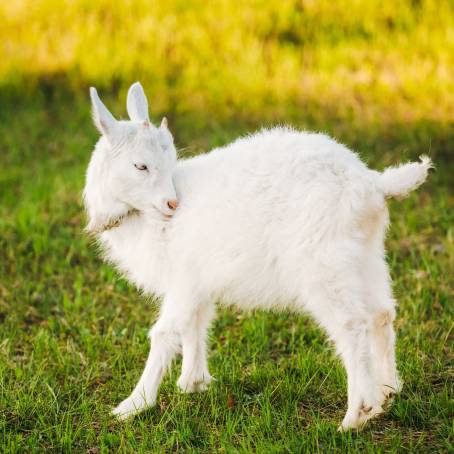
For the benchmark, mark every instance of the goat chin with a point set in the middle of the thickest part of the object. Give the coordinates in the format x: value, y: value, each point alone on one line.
x: 280, y: 219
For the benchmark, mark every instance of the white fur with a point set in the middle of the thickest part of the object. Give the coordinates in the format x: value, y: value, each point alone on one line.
x: 281, y: 219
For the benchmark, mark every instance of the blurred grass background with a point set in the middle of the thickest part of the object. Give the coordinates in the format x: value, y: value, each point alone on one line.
x: 381, y: 61
x: 377, y: 75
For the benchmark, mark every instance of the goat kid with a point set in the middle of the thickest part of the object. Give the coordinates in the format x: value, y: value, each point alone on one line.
x: 280, y: 219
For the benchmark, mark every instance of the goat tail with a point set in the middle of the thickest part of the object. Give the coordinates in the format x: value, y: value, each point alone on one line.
x: 399, y: 181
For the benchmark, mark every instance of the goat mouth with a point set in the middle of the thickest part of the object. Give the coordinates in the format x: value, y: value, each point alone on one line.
x: 166, y: 216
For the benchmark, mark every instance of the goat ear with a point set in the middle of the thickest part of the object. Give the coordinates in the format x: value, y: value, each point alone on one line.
x: 137, y: 104
x: 165, y: 135
x: 102, y: 118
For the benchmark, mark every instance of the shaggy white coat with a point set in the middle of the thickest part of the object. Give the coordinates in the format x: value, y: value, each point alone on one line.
x: 281, y: 219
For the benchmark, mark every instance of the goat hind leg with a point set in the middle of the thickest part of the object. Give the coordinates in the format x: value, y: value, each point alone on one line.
x: 382, y: 336
x: 195, y: 376
x: 383, y: 348
x: 364, y: 399
x: 340, y: 308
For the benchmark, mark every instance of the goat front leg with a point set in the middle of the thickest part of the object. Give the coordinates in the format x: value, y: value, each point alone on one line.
x: 165, y: 343
x: 195, y: 376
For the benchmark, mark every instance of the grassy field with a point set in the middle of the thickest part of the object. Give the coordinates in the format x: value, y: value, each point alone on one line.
x: 73, y: 334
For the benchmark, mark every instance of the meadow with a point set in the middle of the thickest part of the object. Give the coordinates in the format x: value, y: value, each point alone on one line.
x: 378, y: 76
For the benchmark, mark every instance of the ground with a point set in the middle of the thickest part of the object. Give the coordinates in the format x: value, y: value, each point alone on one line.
x: 73, y: 334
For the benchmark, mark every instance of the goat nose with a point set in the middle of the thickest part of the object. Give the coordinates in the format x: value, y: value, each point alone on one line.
x: 172, y: 204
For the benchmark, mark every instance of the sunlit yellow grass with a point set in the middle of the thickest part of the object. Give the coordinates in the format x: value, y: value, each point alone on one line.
x: 380, y: 59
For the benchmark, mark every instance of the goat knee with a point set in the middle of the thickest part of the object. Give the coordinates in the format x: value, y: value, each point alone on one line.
x: 383, y: 318
x: 164, y: 337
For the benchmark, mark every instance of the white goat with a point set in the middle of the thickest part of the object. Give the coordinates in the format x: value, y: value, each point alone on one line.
x: 278, y: 219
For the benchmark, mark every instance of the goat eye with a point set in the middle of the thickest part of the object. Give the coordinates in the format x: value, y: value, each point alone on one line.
x: 140, y: 166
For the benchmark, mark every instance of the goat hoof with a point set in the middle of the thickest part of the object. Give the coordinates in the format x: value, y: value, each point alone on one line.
x: 357, y: 421
x: 194, y: 385
x: 129, y: 407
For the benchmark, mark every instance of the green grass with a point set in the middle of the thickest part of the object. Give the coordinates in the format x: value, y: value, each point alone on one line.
x: 73, y: 335
x: 376, y: 75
